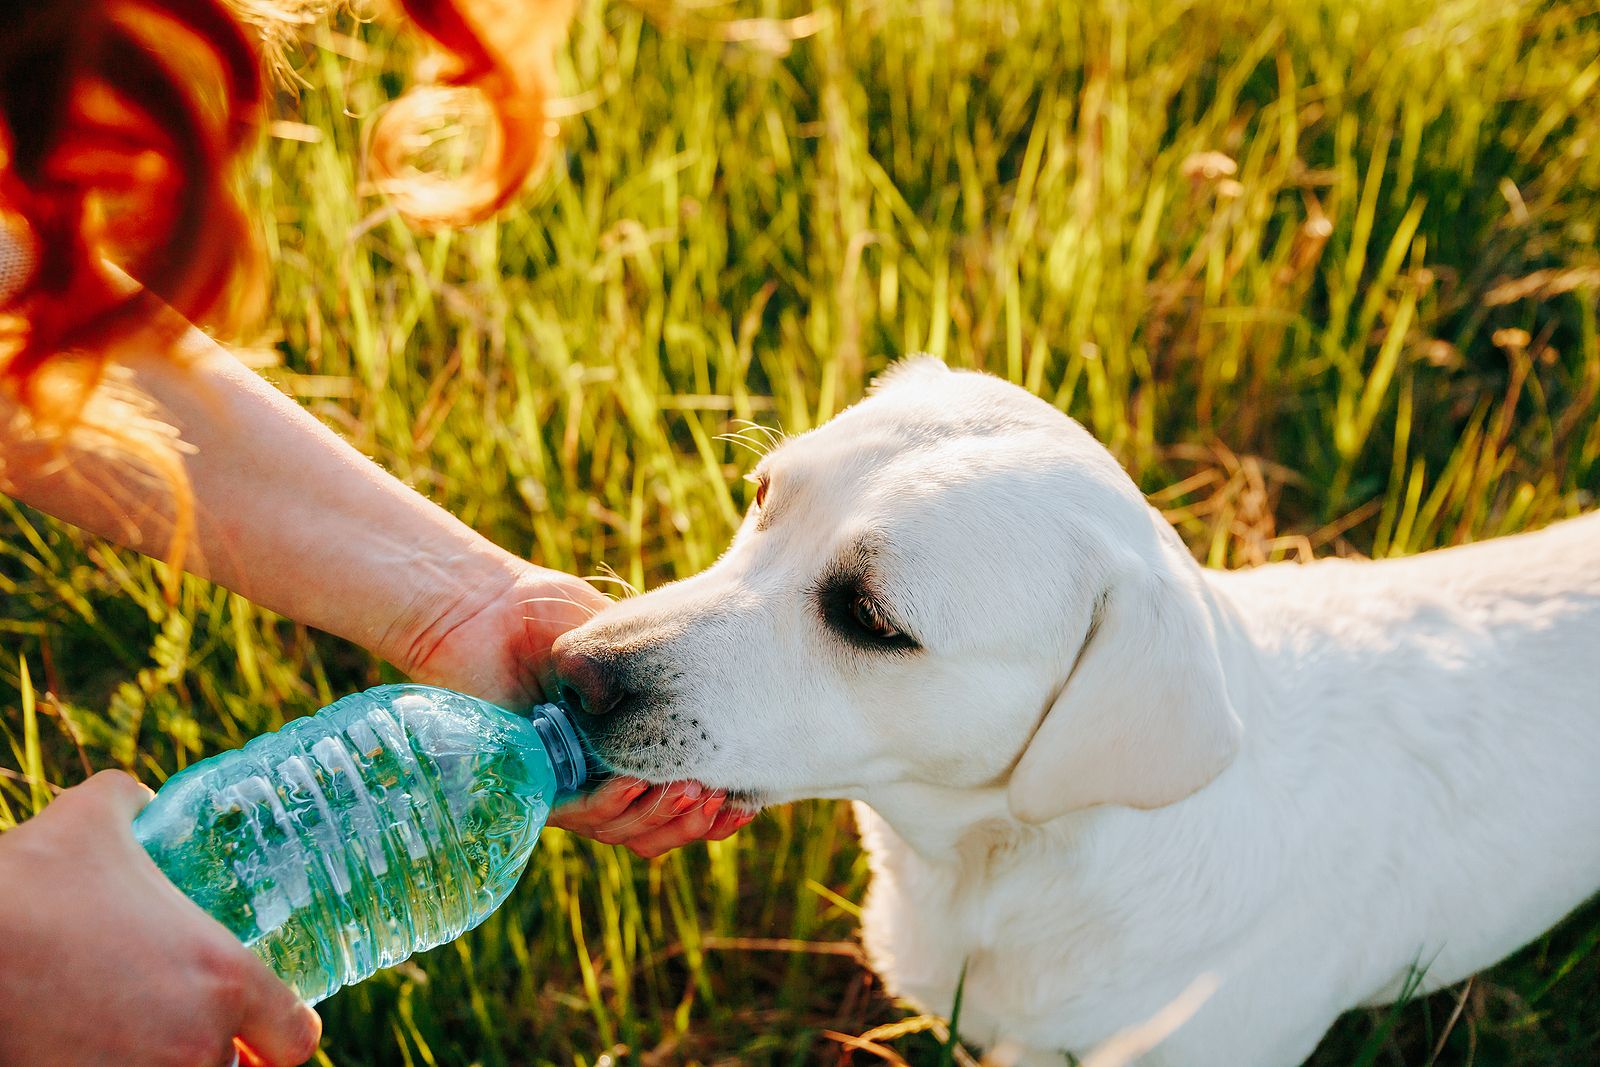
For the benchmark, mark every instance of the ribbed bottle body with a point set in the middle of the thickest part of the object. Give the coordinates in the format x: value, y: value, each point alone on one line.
x: 390, y: 822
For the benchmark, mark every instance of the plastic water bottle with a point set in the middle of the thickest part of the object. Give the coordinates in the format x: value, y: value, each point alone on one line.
x: 390, y: 822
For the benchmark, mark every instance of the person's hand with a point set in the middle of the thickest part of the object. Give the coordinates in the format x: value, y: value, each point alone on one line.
x: 102, y: 960
x: 495, y: 644
x: 651, y: 820
x: 493, y: 640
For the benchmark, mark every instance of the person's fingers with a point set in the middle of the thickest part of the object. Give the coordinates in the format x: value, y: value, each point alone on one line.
x: 720, y: 826
x: 662, y: 807
x: 697, y: 822
x: 649, y: 809
x: 657, y: 805
x: 728, y: 822
x: 606, y: 804
x: 690, y: 797
x: 689, y: 827
x: 674, y: 800
x: 648, y: 819
x: 116, y: 794
x: 275, y: 1025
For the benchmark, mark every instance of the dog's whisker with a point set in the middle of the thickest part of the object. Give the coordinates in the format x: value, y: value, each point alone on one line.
x: 551, y: 620
x: 556, y: 600
x: 589, y: 609
x: 610, y: 576
x: 775, y: 435
x: 754, y: 447
x: 744, y: 435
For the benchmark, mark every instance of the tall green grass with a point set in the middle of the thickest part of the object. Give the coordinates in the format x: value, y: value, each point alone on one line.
x: 1322, y: 275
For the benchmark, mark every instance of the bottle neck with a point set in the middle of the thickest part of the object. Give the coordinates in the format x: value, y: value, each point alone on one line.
x: 562, y: 745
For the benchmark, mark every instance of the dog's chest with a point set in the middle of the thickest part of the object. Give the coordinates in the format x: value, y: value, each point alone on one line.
x: 1037, y: 969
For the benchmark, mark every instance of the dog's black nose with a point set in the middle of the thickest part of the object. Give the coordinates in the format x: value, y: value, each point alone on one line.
x: 586, y: 683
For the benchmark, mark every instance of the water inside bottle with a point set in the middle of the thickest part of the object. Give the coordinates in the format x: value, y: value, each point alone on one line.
x: 361, y: 835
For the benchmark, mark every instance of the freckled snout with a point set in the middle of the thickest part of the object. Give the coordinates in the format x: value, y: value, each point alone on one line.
x: 588, y: 683
x: 620, y: 692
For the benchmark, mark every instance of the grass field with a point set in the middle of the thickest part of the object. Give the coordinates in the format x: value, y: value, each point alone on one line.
x: 1322, y: 274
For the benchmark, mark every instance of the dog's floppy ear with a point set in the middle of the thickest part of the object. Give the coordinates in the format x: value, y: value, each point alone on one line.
x: 1144, y: 719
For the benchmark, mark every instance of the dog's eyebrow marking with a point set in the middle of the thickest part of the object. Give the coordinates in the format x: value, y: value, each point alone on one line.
x: 773, y: 504
x: 856, y: 560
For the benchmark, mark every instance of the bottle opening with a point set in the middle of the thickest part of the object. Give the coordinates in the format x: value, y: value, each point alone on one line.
x: 564, y: 746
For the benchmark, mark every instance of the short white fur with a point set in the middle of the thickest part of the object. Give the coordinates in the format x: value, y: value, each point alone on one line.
x: 1107, y: 770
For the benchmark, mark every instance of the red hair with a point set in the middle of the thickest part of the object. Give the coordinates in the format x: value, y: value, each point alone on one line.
x: 119, y: 123
x: 504, y: 52
x: 120, y: 119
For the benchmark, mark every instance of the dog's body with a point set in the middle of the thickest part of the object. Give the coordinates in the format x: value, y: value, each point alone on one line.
x: 1418, y: 787
x: 1092, y: 771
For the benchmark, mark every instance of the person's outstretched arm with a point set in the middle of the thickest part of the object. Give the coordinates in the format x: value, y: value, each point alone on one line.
x: 291, y: 516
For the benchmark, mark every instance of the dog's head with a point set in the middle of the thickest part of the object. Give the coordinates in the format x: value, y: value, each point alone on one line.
x: 950, y: 583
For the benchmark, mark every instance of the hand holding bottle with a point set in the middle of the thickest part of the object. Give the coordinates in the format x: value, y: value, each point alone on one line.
x: 495, y: 644
x: 392, y: 572
x: 103, y: 960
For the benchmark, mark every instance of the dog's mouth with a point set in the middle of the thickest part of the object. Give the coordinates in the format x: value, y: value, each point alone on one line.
x: 748, y: 801
x: 660, y: 746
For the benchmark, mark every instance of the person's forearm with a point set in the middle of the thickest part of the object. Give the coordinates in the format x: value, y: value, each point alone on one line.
x: 287, y: 513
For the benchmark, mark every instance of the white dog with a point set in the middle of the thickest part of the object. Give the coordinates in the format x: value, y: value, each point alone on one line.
x: 1090, y: 770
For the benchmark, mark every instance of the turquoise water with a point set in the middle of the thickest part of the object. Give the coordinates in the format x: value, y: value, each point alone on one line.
x: 390, y: 822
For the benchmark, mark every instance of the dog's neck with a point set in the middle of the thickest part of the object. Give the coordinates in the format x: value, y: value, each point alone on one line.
x: 938, y: 821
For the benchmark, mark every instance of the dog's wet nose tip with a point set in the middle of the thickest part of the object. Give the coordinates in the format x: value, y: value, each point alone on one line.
x: 584, y: 682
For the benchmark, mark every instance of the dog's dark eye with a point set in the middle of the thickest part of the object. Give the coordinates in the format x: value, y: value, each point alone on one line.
x: 855, y: 612
x: 866, y: 615
x: 851, y: 611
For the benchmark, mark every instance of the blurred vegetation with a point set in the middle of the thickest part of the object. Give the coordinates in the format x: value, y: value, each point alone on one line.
x: 1323, y: 275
